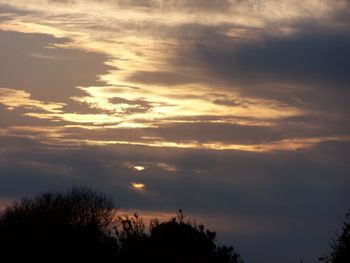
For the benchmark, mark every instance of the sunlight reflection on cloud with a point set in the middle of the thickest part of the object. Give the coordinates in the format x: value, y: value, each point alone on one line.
x: 143, y: 86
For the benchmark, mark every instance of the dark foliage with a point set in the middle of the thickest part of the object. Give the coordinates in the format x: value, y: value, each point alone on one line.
x: 57, y: 227
x: 82, y: 226
x: 173, y: 241
x: 341, y: 246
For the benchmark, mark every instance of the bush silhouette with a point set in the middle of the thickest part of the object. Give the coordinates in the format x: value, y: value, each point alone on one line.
x: 172, y: 241
x: 82, y: 226
x: 341, y: 246
x: 59, y: 227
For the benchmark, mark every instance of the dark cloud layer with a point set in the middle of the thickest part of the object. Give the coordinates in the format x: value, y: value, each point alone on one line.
x: 309, y: 58
x: 272, y: 190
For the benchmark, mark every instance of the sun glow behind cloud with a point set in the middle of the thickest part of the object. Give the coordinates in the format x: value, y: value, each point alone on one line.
x: 139, y: 168
x: 138, y: 186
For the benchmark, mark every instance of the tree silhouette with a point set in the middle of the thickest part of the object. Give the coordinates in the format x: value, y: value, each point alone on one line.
x: 172, y: 241
x: 82, y: 226
x: 132, y: 239
x: 341, y: 246
x: 59, y: 227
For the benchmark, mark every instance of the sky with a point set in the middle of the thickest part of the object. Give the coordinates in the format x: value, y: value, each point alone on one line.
x: 236, y: 111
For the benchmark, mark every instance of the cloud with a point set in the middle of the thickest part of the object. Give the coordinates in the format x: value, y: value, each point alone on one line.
x: 44, y: 78
x: 160, y: 77
x: 237, y: 110
x: 306, y: 59
x: 279, y: 7
x: 203, y: 170
x: 13, y: 99
x: 270, y: 190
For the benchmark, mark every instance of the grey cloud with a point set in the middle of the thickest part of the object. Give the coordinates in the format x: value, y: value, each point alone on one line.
x: 227, y: 102
x: 10, y: 12
x: 272, y: 190
x: 206, y: 132
x: 285, y: 68
x: 184, y: 5
x: 210, y: 6
x: 307, y: 70
x: 4, y: 18
x: 299, y: 127
x: 15, y: 117
x: 270, y: 172
x: 47, y: 73
x: 304, y: 59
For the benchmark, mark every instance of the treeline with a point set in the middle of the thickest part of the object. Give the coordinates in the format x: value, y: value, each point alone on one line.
x: 82, y: 226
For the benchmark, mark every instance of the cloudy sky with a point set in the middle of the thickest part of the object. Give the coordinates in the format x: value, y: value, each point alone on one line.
x: 236, y: 111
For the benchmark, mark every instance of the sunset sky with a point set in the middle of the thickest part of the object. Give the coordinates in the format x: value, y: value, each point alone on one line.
x: 236, y: 111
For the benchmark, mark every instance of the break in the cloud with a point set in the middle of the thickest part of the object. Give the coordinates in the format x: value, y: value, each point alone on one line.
x: 235, y: 110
